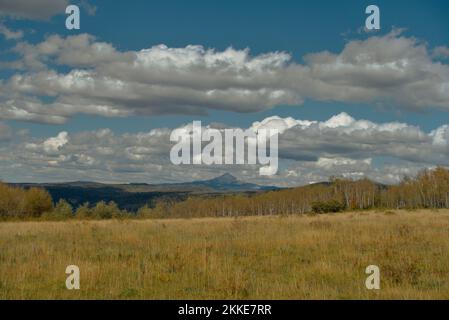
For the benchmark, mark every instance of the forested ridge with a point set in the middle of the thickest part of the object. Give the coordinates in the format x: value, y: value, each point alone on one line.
x: 430, y: 189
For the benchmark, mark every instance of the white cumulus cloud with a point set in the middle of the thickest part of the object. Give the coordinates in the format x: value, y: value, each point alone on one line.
x: 391, y: 70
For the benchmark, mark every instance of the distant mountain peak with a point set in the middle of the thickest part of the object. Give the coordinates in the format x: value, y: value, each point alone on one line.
x: 225, y: 178
x: 227, y: 182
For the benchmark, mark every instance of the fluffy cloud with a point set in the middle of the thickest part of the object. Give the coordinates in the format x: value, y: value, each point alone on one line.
x: 35, y: 9
x: 344, y: 136
x: 441, y: 52
x: 90, y: 8
x: 10, y: 34
x: 40, y: 9
x: 5, y: 132
x: 310, y: 151
x: 51, y: 145
x: 390, y: 70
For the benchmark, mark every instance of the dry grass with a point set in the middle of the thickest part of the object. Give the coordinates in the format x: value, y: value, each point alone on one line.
x: 249, y: 258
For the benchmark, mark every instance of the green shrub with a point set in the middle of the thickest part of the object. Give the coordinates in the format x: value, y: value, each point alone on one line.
x: 11, y: 201
x: 160, y: 211
x: 84, y: 212
x: 330, y: 206
x: 62, y: 211
x: 22, y: 203
x: 145, y: 212
x: 37, y: 202
x: 105, y: 210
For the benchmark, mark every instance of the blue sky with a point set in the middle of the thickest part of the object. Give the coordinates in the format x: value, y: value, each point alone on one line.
x: 298, y: 28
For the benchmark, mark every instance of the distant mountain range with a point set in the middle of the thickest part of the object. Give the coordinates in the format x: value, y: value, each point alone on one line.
x: 135, y: 195
x: 225, y: 183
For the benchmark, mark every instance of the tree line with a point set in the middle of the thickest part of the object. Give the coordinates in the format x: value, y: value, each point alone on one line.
x: 429, y: 189
x: 37, y: 203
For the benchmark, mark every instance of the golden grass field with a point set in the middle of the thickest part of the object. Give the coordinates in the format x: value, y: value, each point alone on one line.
x: 301, y: 257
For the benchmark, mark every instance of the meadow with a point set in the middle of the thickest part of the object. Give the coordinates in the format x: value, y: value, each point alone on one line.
x: 270, y: 257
